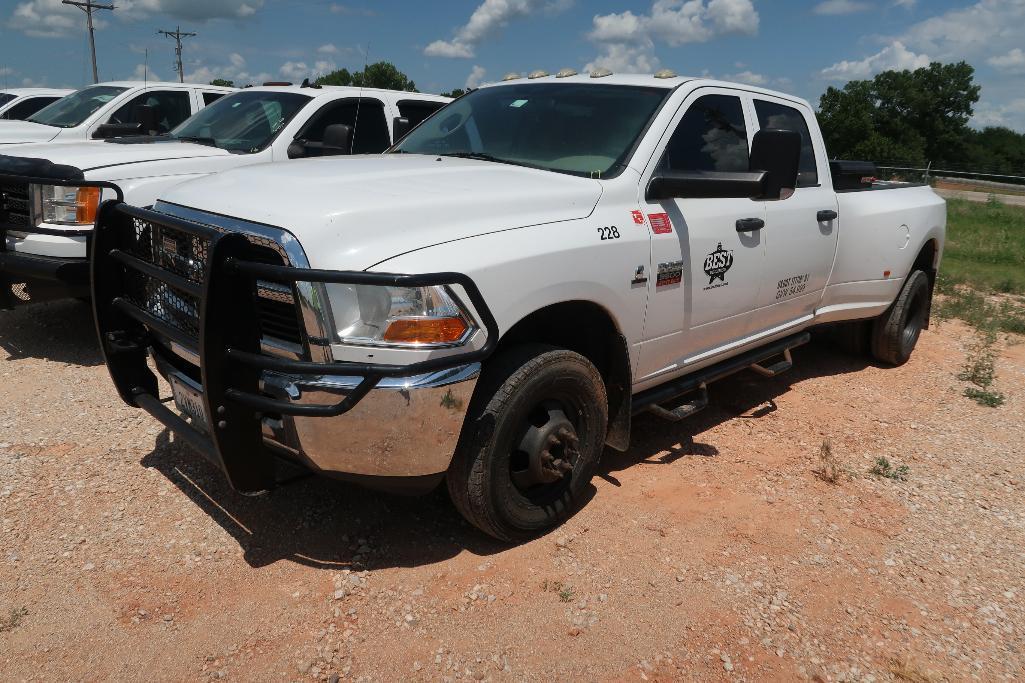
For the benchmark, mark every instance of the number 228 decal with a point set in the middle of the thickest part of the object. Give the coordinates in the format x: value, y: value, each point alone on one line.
x: 609, y: 233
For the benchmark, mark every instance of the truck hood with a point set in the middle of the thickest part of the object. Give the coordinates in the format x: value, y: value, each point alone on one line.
x: 111, y: 157
x: 18, y: 132
x: 351, y: 213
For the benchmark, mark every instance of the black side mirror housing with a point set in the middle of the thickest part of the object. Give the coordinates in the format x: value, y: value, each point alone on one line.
x: 400, y: 128
x: 777, y: 153
x: 147, y: 118
x: 106, y: 131
x: 710, y: 185
x: 338, y: 139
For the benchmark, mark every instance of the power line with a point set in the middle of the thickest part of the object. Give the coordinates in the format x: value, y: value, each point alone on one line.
x: 88, y: 6
x: 178, y: 35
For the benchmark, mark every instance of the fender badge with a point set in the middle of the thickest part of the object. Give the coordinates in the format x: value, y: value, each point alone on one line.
x: 660, y: 223
x: 638, y: 217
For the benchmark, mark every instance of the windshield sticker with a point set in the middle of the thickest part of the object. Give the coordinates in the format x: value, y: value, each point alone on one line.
x: 518, y: 103
x: 717, y: 264
x: 660, y: 223
x: 670, y: 273
x: 103, y: 98
x: 638, y: 217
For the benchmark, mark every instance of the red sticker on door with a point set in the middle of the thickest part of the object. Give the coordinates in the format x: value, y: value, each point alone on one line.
x: 660, y: 223
x: 638, y: 217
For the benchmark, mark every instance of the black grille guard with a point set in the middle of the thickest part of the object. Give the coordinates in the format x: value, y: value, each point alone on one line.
x: 63, y: 182
x: 229, y: 339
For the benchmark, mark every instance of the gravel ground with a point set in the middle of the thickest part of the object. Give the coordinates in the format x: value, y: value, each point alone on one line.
x: 711, y: 550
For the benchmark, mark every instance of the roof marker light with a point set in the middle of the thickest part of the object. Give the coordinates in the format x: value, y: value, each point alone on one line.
x: 665, y: 73
x: 566, y: 73
x: 510, y: 77
x: 540, y: 73
x: 600, y: 73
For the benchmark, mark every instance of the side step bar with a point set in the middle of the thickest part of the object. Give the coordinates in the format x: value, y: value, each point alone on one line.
x: 652, y: 399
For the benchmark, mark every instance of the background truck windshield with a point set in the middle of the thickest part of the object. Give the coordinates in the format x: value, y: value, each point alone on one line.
x: 581, y: 129
x: 242, y: 122
x: 72, y: 110
x: 5, y: 97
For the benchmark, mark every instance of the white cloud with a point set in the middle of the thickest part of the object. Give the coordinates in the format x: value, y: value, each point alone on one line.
x: 328, y: 49
x: 749, y: 77
x: 294, y: 71
x: 1013, y: 62
x: 981, y: 29
x: 476, y: 77
x: 833, y: 7
x: 489, y: 17
x: 143, y: 73
x: 894, y: 56
x: 907, y: 4
x: 188, y: 10
x: 627, y: 40
x: 47, y: 19
x: 236, y: 70
x: 1010, y: 114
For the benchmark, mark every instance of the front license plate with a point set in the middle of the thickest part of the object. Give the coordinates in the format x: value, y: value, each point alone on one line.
x: 189, y: 402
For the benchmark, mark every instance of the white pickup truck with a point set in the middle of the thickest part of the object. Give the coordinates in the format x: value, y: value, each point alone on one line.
x: 17, y: 104
x: 109, y: 110
x: 45, y: 225
x: 492, y: 301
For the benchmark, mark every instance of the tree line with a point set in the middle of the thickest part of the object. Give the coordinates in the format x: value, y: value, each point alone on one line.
x: 918, y: 117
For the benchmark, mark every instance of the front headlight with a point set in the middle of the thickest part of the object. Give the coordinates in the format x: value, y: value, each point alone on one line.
x: 60, y: 205
x: 420, y: 317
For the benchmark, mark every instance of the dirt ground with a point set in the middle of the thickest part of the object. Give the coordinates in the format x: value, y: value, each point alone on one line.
x: 711, y: 550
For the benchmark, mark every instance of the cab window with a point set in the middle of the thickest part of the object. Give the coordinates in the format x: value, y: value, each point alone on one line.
x: 711, y: 136
x: 366, y: 116
x: 172, y: 107
x: 211, y: 97
x: 27, y: 107
x: 772, y: 115
x: 417, y: 111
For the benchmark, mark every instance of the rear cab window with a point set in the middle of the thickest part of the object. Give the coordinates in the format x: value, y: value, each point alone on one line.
x: 775, y: 115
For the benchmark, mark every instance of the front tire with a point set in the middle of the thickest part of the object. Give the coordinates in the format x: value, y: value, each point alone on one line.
x: 530, y: 443
x: 895, y: 333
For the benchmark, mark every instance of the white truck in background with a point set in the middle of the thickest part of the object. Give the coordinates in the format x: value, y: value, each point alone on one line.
x: 45, y: 226
x: 491, y: 302
x: 113, y: 109
x: 17, y: 104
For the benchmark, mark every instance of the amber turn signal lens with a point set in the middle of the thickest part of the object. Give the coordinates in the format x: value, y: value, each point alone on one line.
x: 426, y: 330
x: 88, y: 200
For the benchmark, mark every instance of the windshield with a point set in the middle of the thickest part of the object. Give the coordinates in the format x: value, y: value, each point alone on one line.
x: 578, y: 128
x: 242, y: 122
x: 72, y: 110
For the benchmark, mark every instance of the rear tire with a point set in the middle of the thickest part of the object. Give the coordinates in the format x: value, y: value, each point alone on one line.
x: 532, y: 438
x: 896, y: 332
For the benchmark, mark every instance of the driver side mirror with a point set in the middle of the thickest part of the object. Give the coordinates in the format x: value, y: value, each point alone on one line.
x: 775, y: 158
x: 147, y: 125
x: 400, y: 127
x: 337, y: 141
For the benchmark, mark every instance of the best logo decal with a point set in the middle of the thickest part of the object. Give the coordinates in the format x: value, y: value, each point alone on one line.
x: 717, y: 264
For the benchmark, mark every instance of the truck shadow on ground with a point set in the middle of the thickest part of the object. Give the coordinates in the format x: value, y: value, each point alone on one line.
x: 59, y: 331
x: 323, y: 523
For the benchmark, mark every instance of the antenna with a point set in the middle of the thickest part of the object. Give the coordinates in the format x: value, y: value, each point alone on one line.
x: 88, y: 6
x: 178, y: 35
x: 145, y: 70
x: 359, y: 99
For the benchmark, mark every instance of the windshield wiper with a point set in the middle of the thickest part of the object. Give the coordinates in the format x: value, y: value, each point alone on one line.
x: 482, y: 156
x: 209, y: 142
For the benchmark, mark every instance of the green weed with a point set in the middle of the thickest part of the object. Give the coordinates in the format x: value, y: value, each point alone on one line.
x: 884, y: 468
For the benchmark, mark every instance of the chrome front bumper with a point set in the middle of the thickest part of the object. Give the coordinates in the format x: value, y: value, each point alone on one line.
x: 405, y: 427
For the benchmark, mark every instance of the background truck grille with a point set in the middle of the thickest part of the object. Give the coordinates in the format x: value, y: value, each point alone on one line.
x: 187, y: 255
x: 14, y: 206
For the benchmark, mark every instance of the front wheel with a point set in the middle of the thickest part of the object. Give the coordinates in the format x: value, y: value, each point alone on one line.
x: 895, y: 333
x: 531, y: 441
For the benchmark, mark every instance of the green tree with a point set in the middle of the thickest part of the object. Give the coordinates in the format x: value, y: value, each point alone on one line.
x: 380, y: 75
x: 223, y: 82
x: 919, y: 115
x: 458, y: 92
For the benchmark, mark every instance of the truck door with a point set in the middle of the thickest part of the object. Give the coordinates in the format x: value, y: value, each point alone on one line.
x: 800, y: 231
x: 705, y: 273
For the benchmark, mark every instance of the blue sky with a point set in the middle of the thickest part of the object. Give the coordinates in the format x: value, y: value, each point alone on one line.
x: 801, y: 46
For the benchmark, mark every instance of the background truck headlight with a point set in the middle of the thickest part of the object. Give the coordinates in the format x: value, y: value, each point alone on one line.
x: 61, y: 205
x: 419, y: 317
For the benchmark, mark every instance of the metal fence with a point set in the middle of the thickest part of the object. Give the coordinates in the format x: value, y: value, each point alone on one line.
x: 929, y: 173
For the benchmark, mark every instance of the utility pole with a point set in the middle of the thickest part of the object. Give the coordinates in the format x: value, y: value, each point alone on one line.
x: 178, y: 35
x: 88, y: 6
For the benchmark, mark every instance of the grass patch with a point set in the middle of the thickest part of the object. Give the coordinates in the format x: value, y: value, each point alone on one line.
x: 980, y: 369
x: 830, y: 470
x: 972, y: 307
x: 13, y: 619
x: 985, y: 246
x: 885, y: 469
